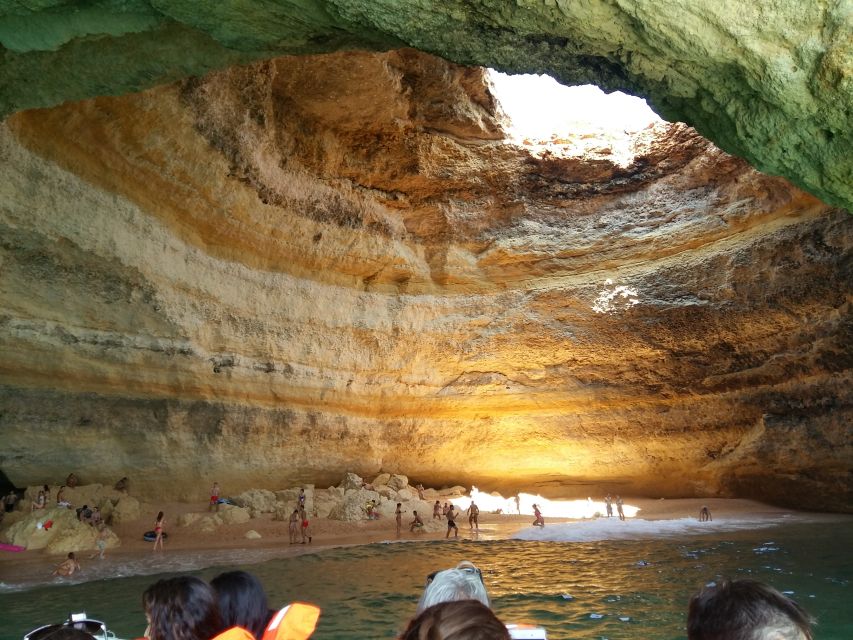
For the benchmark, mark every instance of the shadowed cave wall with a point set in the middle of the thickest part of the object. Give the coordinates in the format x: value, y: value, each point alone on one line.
x: 308, y: 265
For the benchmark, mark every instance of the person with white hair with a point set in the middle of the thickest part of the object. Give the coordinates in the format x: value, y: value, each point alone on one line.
x: 464, y: 582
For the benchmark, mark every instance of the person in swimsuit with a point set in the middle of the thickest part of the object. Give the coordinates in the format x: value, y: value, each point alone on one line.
x: 705, y: 514
x: 436, y: 510
x: 398, y: 514
x: 158, y: 531
x: 473, y: 516
x: 101, y: 542
x: 417, y: 523
x: 306, y: 532
x: 539, y: 521
x: 293, y: 526
x: 214, y: 497
x: 67, y: 566
x: 608, y: 505
x: 619, y: 508
x: 39, y: 502
x: 451, y: 522
x: 60, y: 498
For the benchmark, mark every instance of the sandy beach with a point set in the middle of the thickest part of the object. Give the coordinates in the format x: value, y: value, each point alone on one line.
x: 188, y: 549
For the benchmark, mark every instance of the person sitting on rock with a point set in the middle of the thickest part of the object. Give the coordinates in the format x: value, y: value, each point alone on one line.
x: 122, y: 485
x: 95, y: 518
x: 84, y: 514
x: 417, y: 523
x: 71, y: 481
x: 60, y: 498
x: 39, y: 503
x: 67, y: 566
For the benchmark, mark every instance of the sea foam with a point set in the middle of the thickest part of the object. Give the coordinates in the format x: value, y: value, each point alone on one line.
x: 635, y: 528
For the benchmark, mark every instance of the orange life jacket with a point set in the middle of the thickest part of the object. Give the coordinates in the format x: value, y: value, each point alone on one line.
x: 296, y: 621
x: 234, y: 633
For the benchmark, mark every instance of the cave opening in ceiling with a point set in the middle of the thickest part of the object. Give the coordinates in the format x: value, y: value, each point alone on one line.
x: 579, y: 120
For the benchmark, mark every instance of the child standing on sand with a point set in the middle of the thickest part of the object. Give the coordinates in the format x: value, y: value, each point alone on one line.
x: 293, y: 526
x: 399, y: 515
x: 101, y: 542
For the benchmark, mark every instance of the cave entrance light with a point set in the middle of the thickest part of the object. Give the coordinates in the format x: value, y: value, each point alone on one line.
x: 577, y: 509
x: 574, y: 121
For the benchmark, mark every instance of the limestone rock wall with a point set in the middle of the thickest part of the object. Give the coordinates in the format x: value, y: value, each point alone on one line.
x: 767, y: 80
x: 281, y: 272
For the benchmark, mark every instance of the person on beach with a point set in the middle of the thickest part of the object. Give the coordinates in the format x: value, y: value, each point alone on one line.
x: 60, y: 498
x: 457, y: 620
x: 518, y: 503
x: 745, y: 609
x: 68, y: 566
x: 84, y: 514
x: 451, y: 522
x: 158, y: 531
x: 420, y: 489
x: 705, y: 514
x: 444, y: 509
x: 101, y: 542
x: 300, y: 499
x: 122, y: 485
x: 608, y: 505
x: 214, y: 497
x: 39, y: 502
x: 473, y: 516
x: 95, y: 518
x: 293, y: 526
x: 10, y: 501
x: 71, y: 481
x: 417, y: 523
x: 619, y: 508
x: 539, y: 521
x: 306, y: 531
x: 436, y: 510
x: 398, y: 515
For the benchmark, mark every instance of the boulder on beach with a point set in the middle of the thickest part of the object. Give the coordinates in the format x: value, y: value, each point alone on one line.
x: 352, y: 507
x: 257, y: 501
x: 209, y: 524
x: 385, y: 491
x: 55, y: 530
x: 325, y: 501
x: 381, y: 479
x: 127, y: 509
x: 251, y: 534
x: 230, y: 514
x: 404, y: 495
x: 398, y: 482
x: 288, y: 496
x: 351, y: 481
x: 188, y: 519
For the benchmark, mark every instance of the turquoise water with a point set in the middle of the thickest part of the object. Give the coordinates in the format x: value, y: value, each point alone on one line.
x: 370, y: 591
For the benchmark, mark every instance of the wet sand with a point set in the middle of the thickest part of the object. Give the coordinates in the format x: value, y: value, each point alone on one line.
x: 188, y: 548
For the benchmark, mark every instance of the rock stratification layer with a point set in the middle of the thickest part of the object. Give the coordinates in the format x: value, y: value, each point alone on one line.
x: 769, y: 81
x: 280, y: 272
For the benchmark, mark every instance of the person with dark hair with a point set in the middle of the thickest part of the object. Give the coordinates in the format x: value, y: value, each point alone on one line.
x: 451, y: 522
x: 68, y: 566
x: 242, y: 601
x: 745, y: 610
x: 456, y: 620
x: 182, y: 608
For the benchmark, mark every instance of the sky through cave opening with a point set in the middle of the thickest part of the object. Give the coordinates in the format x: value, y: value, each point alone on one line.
x: 575, y: 121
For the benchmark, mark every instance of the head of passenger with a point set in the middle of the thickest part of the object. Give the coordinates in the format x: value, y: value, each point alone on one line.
x: 242, y: 601
x: 182, y: 608
x: 66, y: 633
x: 746, y: 610
x: 465, y: 582
x: 458, y: 620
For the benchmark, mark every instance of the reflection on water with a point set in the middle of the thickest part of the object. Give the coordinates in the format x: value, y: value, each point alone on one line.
x: 616, y: 589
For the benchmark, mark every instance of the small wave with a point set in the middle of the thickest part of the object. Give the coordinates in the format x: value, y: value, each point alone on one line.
x: 635, y: 528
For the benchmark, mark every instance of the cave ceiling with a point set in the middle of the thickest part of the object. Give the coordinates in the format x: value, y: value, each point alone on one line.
x: 220, y: 259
